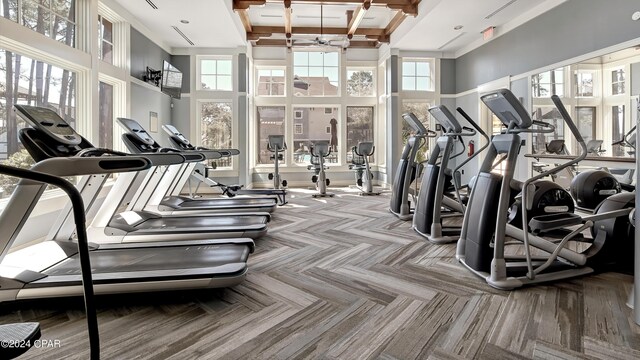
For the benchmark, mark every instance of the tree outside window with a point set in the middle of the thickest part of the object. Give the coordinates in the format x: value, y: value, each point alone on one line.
x: 421, y: 111
x: 617, y: 82
x: 359, y: 127
x: 105, y: 40
x: 216, y: 128
x: 29, y: 82
x: 360, y: 83
x: 548, y: 83
x: 54, y: 19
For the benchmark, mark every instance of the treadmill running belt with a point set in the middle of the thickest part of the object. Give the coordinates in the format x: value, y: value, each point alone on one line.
x: 160, y: 258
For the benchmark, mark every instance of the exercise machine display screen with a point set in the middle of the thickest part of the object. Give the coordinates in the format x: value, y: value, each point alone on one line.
x: 50, y: 122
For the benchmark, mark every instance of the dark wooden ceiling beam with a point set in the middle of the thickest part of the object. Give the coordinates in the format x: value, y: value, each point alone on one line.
x: 395, y: 22
x: 283, y: 42
x: 313, y: 30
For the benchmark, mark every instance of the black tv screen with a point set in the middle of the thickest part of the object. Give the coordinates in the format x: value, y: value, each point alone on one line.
x: 171, y: 80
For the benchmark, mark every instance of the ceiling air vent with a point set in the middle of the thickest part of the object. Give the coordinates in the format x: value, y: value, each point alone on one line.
x: 183, y: 35
x: 499, y: 9
x: 152, y: 4
x: 452, y: 40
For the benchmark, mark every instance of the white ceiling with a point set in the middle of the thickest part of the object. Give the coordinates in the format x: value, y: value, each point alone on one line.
x: 212, y: 23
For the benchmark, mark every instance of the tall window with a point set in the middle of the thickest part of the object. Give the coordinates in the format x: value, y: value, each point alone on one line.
x: 270, y: 122
x: 315, y: 73
x: 421, y: 111
x: 314, y: 122
x: 270, y: 82
x: 549, y: 115
x: 216, y: 125
x: 584, y: 84
x: 617, y: 82
x: 548, y: 83
x: 618, y: 128
x: 55, y: 19
x: 586, y: 122
x: 215, y: 74
x: 360, y: 82
x: 30, y: 82
x: 105, y: 40
x: 105, y: 130
x: 416, y: 75
x: 359, y: 127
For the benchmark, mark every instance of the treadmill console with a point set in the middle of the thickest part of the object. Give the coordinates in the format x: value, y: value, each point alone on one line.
x: 177, y: 139
x: 49, y: 122
x: 50, y: 135
x: 137, y: 138
x: 507, y: 108
x: 446, y: 119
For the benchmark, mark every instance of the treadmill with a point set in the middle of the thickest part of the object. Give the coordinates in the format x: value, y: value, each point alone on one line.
x: 179, y: 141
x: 52, y: 268
x: 112, y: 225
x: 159, y: 197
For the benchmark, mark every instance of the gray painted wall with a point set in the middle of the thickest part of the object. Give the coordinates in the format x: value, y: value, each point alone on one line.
x: 180, y: 115
x: 143, y: 101
x: 145, y: 52
x: 520, y: 89
x: 573, y: 28
x: 183, y: 63
x: 447, y: 76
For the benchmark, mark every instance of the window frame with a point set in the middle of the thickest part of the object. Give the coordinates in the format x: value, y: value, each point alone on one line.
x: 324, y: 68
x: 361, y: 68
x: 257, y: 82
x: 431, y: 76
x: 199, y: 74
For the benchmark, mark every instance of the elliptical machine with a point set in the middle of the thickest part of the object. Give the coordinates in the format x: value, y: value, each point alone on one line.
x: 433, y: 196
x: 481, y: 247
x: 319, y: 151
x: 360, y: 163
x: 276, y: 145
x: 408, y: 169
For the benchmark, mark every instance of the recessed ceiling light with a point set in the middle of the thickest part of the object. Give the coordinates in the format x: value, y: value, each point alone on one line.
x: 458, y: 27
x: 184, y: 21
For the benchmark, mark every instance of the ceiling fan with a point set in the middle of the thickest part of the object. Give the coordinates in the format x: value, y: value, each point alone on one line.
x: 321, y: 41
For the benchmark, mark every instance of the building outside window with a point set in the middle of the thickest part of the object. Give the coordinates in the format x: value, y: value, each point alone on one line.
x: 215, y: 74
x: 270, y: 122
x: 271, y: 82
x: 584, y: 84
x: 316, y: 125
x: 315, y: 73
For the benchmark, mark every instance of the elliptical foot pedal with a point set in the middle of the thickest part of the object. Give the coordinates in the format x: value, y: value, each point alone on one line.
x: 18, y: 338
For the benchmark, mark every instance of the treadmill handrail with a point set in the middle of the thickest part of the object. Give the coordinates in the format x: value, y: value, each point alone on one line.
x: 82, y: 241
x: 75, y: 166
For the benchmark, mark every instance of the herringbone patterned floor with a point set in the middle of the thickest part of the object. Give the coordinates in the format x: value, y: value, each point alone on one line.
x: 341, y: 278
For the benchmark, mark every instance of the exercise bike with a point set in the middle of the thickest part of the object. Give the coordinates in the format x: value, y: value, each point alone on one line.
x: 276, y: 145
x: 360, y: 163
x: 319, y: 151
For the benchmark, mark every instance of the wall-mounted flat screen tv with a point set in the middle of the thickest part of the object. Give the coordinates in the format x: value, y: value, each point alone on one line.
x: 171, y: 80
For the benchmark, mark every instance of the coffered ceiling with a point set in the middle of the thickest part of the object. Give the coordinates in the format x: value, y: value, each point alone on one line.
x: 340, y: 23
